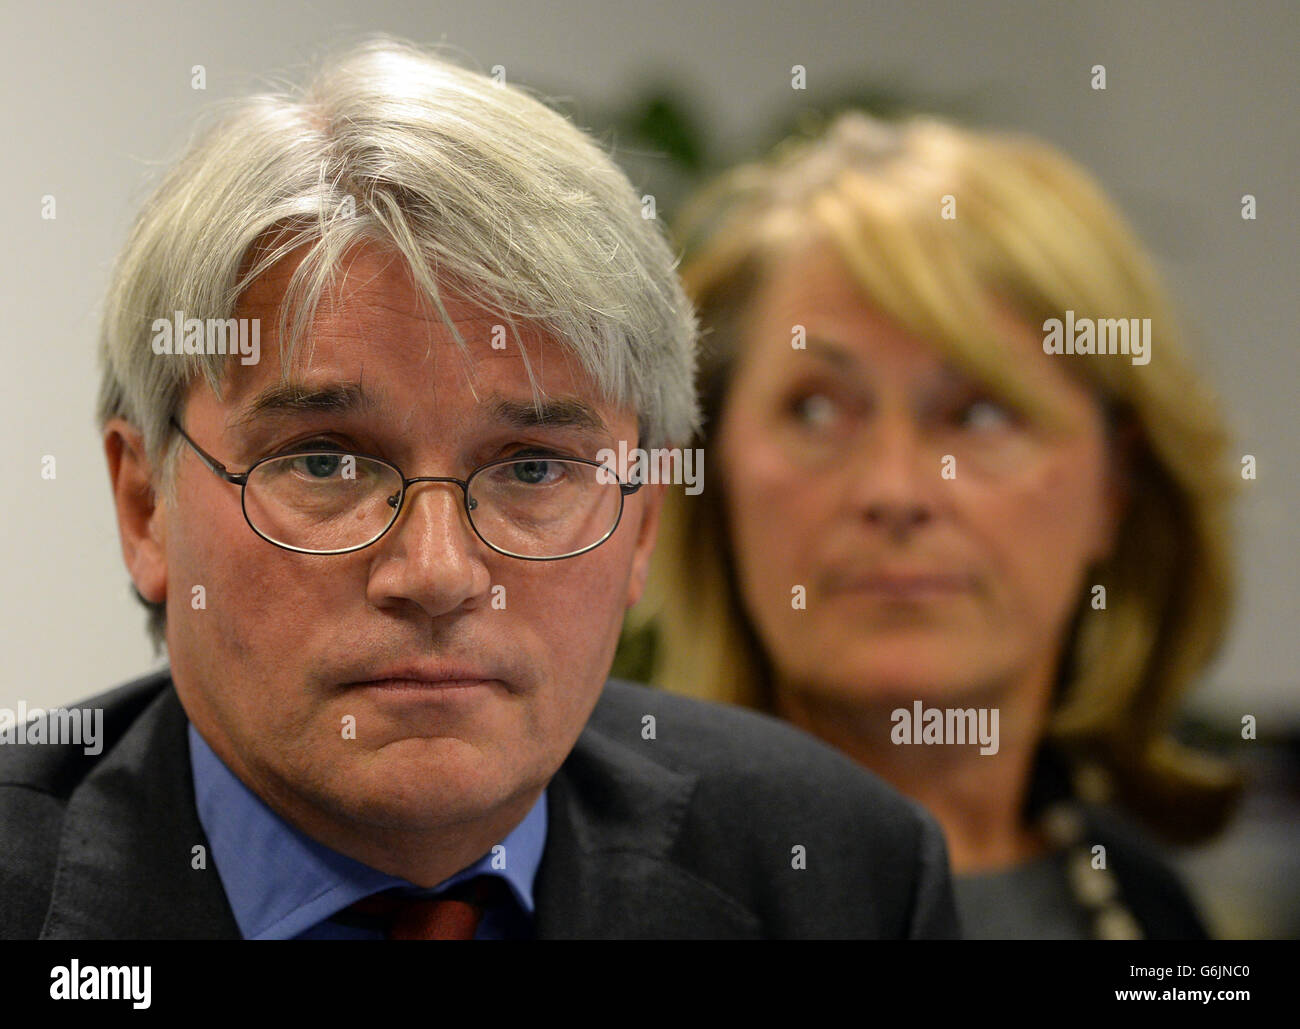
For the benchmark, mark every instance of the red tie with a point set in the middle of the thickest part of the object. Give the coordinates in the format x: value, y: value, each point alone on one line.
x: 452, y: 915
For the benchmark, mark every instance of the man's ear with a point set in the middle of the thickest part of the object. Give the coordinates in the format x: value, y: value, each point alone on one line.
x: 140, y: 515
x: 651, y: 504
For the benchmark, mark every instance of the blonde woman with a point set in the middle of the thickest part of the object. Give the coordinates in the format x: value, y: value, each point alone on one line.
x: 966, y: 511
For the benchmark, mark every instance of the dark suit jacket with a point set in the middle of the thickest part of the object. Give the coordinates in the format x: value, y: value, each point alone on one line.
x: 687, y: 835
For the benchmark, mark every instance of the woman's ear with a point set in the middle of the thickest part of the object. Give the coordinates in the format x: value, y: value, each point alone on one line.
x: 140, y: 518
x: 1123, y: 446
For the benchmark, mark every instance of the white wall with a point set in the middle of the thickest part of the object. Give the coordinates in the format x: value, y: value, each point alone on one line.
x: 1199, y: 109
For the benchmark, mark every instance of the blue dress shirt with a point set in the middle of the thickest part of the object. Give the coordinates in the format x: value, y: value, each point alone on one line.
x: 283, y: 885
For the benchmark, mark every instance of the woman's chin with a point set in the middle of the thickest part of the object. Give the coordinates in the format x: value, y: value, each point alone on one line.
x: 906, y: 679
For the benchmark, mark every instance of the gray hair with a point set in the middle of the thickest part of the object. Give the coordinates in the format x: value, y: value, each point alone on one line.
x: 473, y: 182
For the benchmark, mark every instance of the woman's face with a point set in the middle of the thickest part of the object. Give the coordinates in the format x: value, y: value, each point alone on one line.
x: 940, y: 540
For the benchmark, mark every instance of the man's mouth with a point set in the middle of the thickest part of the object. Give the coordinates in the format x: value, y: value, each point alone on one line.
x: 427, y: 676
x: 442, y: 687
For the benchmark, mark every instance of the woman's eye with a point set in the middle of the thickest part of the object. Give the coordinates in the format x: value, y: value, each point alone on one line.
x: 983, y: 415
x: 816, y: 410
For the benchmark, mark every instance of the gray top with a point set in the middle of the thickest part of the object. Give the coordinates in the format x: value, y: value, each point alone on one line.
x: 1029, y: 901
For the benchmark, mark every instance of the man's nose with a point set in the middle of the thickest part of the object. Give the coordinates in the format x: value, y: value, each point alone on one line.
x: 432, y: 556
x: 893, y: 475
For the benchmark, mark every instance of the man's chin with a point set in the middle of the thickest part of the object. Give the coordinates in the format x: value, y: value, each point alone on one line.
x: 425, y: 783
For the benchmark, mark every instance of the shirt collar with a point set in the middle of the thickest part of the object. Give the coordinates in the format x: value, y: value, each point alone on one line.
x: 281, y: 882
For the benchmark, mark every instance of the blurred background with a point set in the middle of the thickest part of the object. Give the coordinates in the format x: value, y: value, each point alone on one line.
x: 1199, y: 109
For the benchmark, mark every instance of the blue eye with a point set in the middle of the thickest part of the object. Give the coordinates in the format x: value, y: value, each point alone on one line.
x: 328, y: 462
x: 532, y: 473
x: 322, y: 465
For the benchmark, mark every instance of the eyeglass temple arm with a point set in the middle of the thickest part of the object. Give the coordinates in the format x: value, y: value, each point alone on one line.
x: 213, y: 464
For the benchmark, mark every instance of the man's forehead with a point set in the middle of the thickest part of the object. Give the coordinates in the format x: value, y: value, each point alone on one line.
x: 349, y: 371
x: 370, y: 283
x: 373, y: 337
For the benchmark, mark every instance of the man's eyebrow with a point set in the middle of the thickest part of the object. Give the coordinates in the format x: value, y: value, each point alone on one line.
x: 282, y: 399
x: 288, y: 398
x: 561, y: 412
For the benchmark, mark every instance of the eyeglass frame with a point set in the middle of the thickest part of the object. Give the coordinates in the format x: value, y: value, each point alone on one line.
x: 240, y: 479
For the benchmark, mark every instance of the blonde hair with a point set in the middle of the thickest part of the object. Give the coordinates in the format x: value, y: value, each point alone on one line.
x: 1031, y: 230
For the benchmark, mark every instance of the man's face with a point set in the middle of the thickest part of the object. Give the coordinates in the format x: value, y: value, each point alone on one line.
x: 272, y: 670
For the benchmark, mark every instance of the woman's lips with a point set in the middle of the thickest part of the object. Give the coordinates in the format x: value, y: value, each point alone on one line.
x: 903, y: 585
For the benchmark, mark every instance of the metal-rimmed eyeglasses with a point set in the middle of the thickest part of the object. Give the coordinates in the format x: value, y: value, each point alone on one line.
x: 333, y: 501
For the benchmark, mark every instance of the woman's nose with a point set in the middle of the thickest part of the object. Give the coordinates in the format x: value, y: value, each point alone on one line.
x: 893, y: 475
